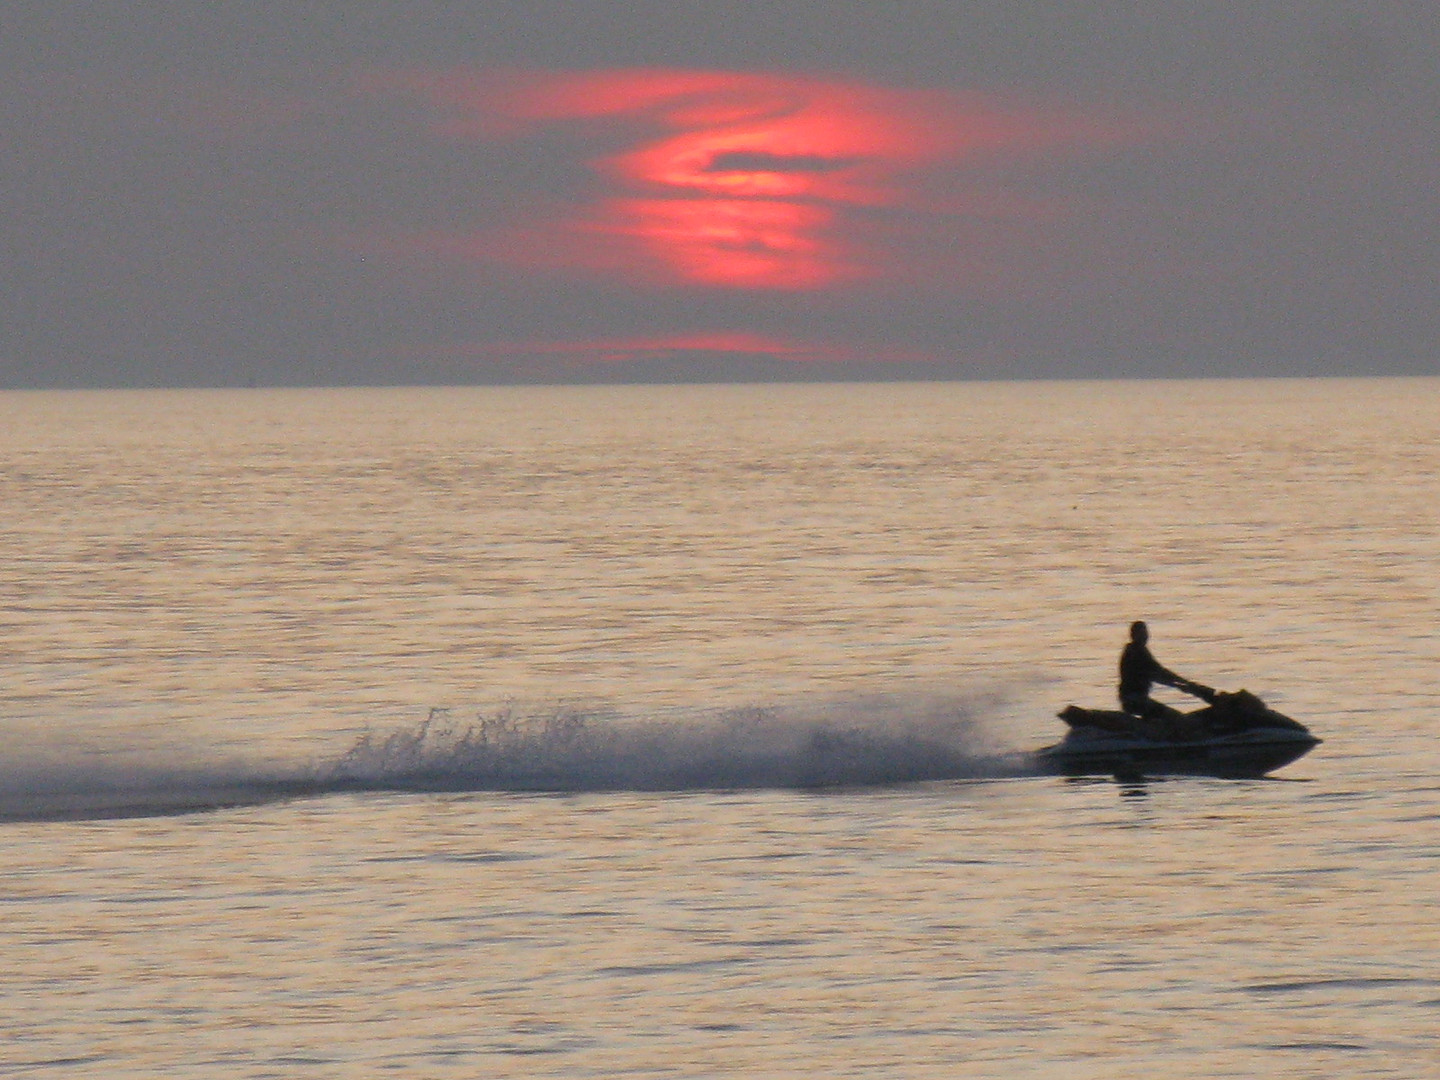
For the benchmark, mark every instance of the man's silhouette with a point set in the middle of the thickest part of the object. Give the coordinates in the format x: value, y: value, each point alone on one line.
x: 1139, y: 671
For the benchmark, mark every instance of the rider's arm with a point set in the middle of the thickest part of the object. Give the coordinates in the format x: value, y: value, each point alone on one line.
x: 1167, y: 677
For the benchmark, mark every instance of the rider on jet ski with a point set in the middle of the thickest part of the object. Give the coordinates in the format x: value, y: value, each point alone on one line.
x: 1139, y: 671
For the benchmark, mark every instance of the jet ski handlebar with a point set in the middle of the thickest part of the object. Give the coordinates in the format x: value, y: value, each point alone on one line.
x: 1199, y: 690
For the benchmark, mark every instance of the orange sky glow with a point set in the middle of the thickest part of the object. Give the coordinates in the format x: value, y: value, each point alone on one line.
x: 504, y: 193
x: 733, y: 180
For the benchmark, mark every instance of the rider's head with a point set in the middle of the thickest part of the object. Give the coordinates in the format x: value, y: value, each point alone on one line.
x: 1139, y: 633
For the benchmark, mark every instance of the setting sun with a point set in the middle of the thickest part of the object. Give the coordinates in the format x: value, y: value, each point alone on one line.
x: 732, y: 180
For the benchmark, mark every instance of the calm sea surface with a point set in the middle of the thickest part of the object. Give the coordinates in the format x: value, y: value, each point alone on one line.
x: 561, y: 732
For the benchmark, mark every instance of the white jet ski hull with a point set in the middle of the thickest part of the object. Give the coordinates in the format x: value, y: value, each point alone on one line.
x: 1090, y: 751
x: 1237, y: 735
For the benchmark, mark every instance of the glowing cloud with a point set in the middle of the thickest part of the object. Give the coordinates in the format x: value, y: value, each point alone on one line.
x: 692, y: 354
x: 732, y: 180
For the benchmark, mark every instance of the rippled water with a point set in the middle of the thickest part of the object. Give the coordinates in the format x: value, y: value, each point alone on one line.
x: 245, y: 598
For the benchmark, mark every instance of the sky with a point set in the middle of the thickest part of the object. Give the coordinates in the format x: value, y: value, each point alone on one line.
x: 359, y: 193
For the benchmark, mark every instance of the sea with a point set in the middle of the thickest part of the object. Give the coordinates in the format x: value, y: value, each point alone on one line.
x: 688, y: 731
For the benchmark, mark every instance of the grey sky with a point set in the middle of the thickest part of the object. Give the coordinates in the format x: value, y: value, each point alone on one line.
x: 284, y: 192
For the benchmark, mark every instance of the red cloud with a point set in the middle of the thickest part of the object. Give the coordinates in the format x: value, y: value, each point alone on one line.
x: 681, y: 353
x: 734, y: 180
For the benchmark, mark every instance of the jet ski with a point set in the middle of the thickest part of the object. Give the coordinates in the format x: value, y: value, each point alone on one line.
x: 1237, y: 735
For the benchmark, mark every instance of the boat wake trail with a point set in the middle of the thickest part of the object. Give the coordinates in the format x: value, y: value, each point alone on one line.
x: 870, y: 742
x: 568, y: 748
x: 83, y: 793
